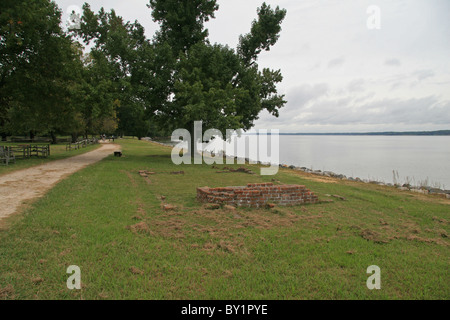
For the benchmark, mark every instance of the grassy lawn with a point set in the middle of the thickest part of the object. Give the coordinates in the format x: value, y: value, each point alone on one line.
x: 109, y: 221
x: 57, y: 152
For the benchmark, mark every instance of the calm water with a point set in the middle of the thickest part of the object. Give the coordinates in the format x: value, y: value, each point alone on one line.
x: 419, y: 160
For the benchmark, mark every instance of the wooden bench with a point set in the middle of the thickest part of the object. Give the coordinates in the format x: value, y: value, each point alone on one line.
x: 6, y: 155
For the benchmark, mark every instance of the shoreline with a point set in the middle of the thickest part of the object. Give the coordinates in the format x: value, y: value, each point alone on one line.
x: 402, y: 187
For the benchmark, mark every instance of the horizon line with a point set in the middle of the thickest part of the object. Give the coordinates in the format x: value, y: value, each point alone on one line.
x: 436, y: 132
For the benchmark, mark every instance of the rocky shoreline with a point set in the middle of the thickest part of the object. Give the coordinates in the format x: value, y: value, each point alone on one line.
x: 403, y: 187
x: 330, y: 174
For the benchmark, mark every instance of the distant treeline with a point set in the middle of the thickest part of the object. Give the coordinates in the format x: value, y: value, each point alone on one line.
x: 411, y: 133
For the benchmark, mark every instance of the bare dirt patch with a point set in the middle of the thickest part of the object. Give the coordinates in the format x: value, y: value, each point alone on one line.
x: 140, y: 227
x: 406, y: 230
x: 374, y: 236
x: 7, y: 292
x: 429, y: 197
x: 313, y: 177
x: 137, y: 271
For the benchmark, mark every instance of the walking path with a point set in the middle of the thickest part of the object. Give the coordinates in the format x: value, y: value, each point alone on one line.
x: 34, y: 182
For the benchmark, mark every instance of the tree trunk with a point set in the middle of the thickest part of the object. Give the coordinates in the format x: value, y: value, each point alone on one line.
x: 74, y: 137
x: 4, y: 137
x: 32, y: 135
x: 52, y: 134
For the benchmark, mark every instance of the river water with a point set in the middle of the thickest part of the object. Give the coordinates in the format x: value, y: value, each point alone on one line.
x: 418, y: 160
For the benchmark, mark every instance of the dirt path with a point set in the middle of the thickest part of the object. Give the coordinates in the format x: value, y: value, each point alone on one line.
x: 34, y: 182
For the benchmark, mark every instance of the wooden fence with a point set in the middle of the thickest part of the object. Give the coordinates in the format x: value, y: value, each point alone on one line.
x: 81, y: 144
x: 38, y: 140
x: 26, y: 151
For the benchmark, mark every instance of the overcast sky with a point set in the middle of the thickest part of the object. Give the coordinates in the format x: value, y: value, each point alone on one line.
x: 340, y: 75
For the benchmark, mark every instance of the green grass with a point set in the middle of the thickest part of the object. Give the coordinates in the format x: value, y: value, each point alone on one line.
x: 108, y: 220
x: 57, y: 152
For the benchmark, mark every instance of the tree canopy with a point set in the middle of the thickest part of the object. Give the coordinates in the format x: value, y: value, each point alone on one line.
x: 35, y: 64
x: 126, y: 83
x: 182, y: 21
x: 213, y: 83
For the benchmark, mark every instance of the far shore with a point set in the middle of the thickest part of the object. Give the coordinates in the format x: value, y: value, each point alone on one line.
x: 388, y: 133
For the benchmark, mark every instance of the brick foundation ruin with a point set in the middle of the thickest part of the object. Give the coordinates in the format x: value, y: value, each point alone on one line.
x: 257, y: 195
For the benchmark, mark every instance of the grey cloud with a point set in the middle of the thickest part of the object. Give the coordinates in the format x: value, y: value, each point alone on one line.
x: 316, y: 66
x: 300, y: 96
x: 336, y: 63
x: 364, y: 98
x: 426, y: 110
x: 356, y: 85
x: 423, y: 74
x: 392, y: 62
x: 298, y: 99
x: 396, y: 85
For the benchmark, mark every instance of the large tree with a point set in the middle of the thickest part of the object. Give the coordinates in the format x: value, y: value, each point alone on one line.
x: 119, y: 60
x: 38, y: 67
x: 43, y: 92
x: 223, y: 87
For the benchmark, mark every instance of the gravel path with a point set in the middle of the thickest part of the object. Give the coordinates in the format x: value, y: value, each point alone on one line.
x: 34, y: 182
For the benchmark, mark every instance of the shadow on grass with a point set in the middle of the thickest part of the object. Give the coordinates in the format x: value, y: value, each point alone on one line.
x: 162, y: 156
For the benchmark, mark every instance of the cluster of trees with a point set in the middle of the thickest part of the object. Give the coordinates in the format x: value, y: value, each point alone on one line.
x: 128, y: 84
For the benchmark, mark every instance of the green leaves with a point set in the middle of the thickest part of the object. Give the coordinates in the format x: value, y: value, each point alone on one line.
x: 264, y: 33
x: 271, y: 101
x: 38, y: 68
x: 213, y: 83
x: 175, y: 79
x: 116, y: 74
x: 182, y: 21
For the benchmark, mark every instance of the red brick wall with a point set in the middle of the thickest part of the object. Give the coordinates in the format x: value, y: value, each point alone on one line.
x: 257, y: 195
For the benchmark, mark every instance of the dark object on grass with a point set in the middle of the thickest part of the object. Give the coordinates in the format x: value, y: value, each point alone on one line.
x: 117, y: 153
x: 241, y: 169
